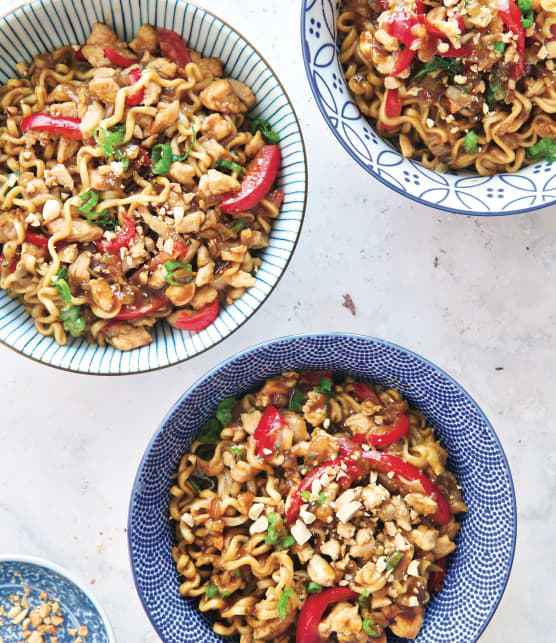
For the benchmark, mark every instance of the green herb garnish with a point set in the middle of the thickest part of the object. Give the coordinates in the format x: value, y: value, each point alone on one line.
x: 211, y: 591
x: 238, y: 226
x: 306, y: 495
x: 224, y: 410
x: 230, y: 165
x: 470, y: 142
x: 162, y: 156
x: 109, y: 139
x: 62, y: 272
x: 63, y: 288
x: 102, y: 219
x: 314, y: 588
x: 122, y: 158
x: 89, y: 200
x: 71, y: 319
x: 225, y: 593
x: 371, y: 628
x: 277, y: 535
x: 528, y: 17
x: 325, y: 387
x: 266, y: 130
x: 178, y: 273
x: 544, y: 148
x: 494, y: 92
x: 451, y: 66
x: 283, y: 604
x: 393, y: 561
x: 238, y: 452
x: 297, y: 397
x: 209, y: 433
x: 499, y: 46
x: 196, y: 479
x: 363, y: 599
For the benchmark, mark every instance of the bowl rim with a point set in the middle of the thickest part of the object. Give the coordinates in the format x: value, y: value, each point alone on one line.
x: 45, y: 3
x: 372, y: 172
x: 284, y: 340
x: 41, y: 562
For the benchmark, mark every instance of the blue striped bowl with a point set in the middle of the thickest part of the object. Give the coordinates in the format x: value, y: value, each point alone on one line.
x: 44, y: 25
x: 478, y: 569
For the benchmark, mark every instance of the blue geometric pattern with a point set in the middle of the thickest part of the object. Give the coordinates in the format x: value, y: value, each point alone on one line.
x: 44, y: 25
x: 480, y: 567
x: 462, y: 192
x: 78, y: 608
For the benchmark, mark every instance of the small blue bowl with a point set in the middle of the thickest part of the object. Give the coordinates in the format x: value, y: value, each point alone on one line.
x: 464, y: 192
x: 18, y: 573
x: 479, y: 568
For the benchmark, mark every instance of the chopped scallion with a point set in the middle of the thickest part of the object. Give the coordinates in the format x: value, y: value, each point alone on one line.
x: 470, y: 142
x: 283, y: 604
x: 393, y: 561
x: 314, y: 588
x: 89, y: 200
x: 371, y: 628
x: 297, y: 397
x: 230, y: 165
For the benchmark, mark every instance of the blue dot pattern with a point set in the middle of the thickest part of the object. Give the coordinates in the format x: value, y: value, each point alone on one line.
x: 462, y: 192
x: 77, y: 608
x: 478, y: 570
x: 44, y: 25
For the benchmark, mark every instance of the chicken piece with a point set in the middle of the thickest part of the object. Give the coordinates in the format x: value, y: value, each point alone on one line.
x: 444, y: 546
x: 242, y: 279
x: 102, y: 295
x: 214, y: 183
x: 181, y: 295
x: 154, y: 223
x: 320, y: 572
x: 242, y: 471
x: 395, y: 509
x: 254, y: 145
x: 323, y: 446
x: 345, y: 622
x: 152, y: 93
x: 67, y: 148
x: 212, y: 66
x: 220, y: 96
x: 67, y: 109
x: 163, y: 67
x: 34, y: 187
x: 245, y: 94
x: 365, y: 544
x: 79, y: 270
x: 217, y: 127
x: 374, y: 496
x: 205, y: 275
x: 92, y: 118
x: 182, y: 173
x: 424, y: 505
x: 250, y: 421
x: 167, y: 115
x: 331, y: 548
x: 408, y: 626
x: 104, y: 178
x: 68, y: 254
x: 297, y: 424
x: 126, y: 337
x: 424, y: 537
x: 314, y: 409
x: 215, y: 150
x: 94, y: 55
x: 103, y: 86
x: 253, y: 239
x: 102, y: 34
x: 145, y: 40
x: 81, y: 230
x: 58, y: 175
x: 359, y: 423
x: 204, y: 296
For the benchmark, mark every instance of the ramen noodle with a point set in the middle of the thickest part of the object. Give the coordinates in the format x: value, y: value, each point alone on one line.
x: 456, y: 83
x: 313, y: 510
x: 133, y: 188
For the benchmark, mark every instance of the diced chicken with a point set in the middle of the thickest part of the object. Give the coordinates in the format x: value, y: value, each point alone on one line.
x: 365, y: 544
x: 126, y: 337
x: 371, y: 577
x: 217, y: 127
x: 444, y: 546
x: 395, y: 509
x: 253, y: 239
x: 215, y: 183
x: 243, y: 471
x: 103, y: 86
x: 250, y: 421
x: 297, y: 424
x: 182, y: 173
x: 245, y: 94
x: 254, y: 145
x: 345, y: 622
x: 204, y: 296
x: 425, y: 505
x: 191, y: 222
x: 68, y: 254
x: 167, y: 115
x: 233, y: 252
x: 163, y: 67
x: 211, y: 65
x: 205, y: 275
x: 242, y: 279
x: 374, y: 496
x: 102, y: 34
x: 81, y: 230
x: 331, y: 548
x: 304, y: 553
x: 215, y: 150
x: 92, y: 118
x: 345, y: 530
x: 408, y: 626
x: 154, y: 223
x: 79, y: 270
x: 67, y: 109
x: 34, y: 187
x: 104, y: 178
x: 359, y: 423
x: 94, y: 55
x: 146, y: 40
x: 424, y: 537
x: 67, y: 148
x: 181, y: 295
x: 101, y: 294
x: 320, y: 572
x: 314, y: 409
x: 300, y: 532
x: 152, y: 93
x: 220, y: 96
x: 58, y: 175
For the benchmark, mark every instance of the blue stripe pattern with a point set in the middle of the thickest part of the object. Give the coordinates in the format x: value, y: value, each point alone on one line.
x: 44, y: 25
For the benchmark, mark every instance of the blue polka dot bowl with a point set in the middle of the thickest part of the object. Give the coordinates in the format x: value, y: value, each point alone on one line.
x: 43, y: 25
x: 463, y: 192
x: 28, y: 577
x: 479, y: 568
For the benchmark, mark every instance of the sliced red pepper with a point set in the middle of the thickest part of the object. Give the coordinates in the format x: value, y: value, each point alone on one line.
x: 117, y: 59
x: 403, y: 60
x: 384, y: 4
x: 276, y: 197
x: 350, y: 471
x: 198, y: 320
x: 173, y: 47
x: 130, y: 312
x: 309, y: 379
x: 122, y: 240
x: 313, y: 610
x: 162, y: 257
x: 399, y: 24
x: 392, y: 106
x: 420, y: 7
x: 511, y: 17
x: 404, y: 472
x: 62, y: 125
x: 266, y: 433
x: 78, y: 55
x: 146, y: 156
x: 365, y: 392
x: 41, y: 241
x: 436, y: 579
x: 394, y: 433
x: 137, y: 97
x: 257, y: 182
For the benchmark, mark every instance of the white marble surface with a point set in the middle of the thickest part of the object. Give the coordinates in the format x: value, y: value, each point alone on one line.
x: 471, y: 295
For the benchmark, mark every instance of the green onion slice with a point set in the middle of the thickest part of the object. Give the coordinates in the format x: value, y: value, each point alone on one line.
x: 499, y: 46
x: 122, y: 158
x: 371, y: 628
x: 393, y: 561
x: 89, y: 200
x: 63, y: 288
x: 71, y: 319
x: 325, y: 387
x: 178, y: 273
x: 266, y: 130
x: 470, y: 142
x: 544, y: 148
x: 102, y: 219
x: 238, y: 226
x: 230, y: 165
x: 196, y: 479
x: 238, y: 452
x: 297, y: 397
x: 211, y: 591
x: 283, y: 604
x: 314, y: 588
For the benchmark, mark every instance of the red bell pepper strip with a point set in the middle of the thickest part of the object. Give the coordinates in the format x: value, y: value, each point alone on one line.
x: 162, y: 257
x: 399, y: 24
x: 403, y: 60
x: 173, y: 47
x: 135, y: 98
x: 146, y: 156
x: 396, y: 432
x: 349, y: 472
x: 386, y: 463
x: 257, y: 182
x: 511, y: 17
x: 313, y: 610
x: 267, y: 431
x: 62, y: 125
x: 392, y: 106
x: 78, y: 55
x: 122, y: 240
x: 130, y: 312
x: 365, y: 392
x: 436, y: 579
x: 117, y: 59
x: 198, y: 320
x: 309, y: 379
x: 41, y: 241
x: 420, y: 7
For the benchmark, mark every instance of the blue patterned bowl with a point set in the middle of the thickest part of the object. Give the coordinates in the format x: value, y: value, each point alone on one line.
x: 18, y: 573
x: 44, y: 25
x: 480, y: 567
x: 531, y: 188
